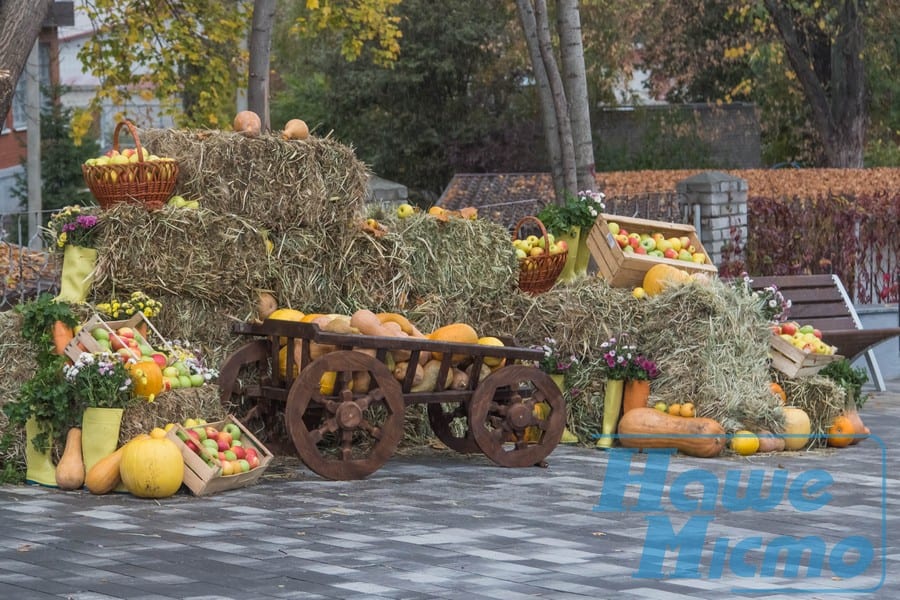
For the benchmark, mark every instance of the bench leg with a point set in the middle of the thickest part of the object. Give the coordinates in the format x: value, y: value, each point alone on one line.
x: 877, y: 379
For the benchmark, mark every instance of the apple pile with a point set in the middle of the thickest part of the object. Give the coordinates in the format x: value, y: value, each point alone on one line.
x: 130, y: 155
x: 129, y: 344
x: 805, y: 337
x: 538, y: 246
x: 223, y: 447
x: 656, y: 244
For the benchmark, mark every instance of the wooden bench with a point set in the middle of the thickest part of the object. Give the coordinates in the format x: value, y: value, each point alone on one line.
x: 822, y: 301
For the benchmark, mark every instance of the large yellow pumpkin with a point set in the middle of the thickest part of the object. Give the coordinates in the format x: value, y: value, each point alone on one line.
x: 152, y: 467
x: 659, y: 276
x: 796, y: 428
x: 146, y: 378
x: 286, y: 314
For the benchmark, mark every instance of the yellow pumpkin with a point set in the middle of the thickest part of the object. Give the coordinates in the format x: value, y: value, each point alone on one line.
x: 146, y: 378
x: 152, y: 467
x: 658, y: 277
x: 104, y: 476
x: 796, y: 428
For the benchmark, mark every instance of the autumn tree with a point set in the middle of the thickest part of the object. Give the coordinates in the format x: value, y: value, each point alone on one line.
x: 186, y: 54
x: 20, y: 24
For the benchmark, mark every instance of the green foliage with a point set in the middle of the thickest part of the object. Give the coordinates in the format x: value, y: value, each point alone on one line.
x: 848, y: 377
x: 444, y: 106
x: 46, y: 396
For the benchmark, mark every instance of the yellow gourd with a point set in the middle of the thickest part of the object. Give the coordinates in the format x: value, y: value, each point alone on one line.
x: 460, y: 333
x: 152, y: 467
x: 645, y: 427
x: 70, y: 469
x: 796, y: 428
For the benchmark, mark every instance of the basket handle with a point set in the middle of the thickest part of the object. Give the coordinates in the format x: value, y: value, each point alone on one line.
x: 527, y: 219
x: 133, y: 131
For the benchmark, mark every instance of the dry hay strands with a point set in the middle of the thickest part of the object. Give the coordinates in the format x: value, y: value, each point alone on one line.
x: 458, y: 258
x: 375, y: 272
x: 196, y: 253
x: 821, y: 398
x: 203, y: 323
x: 18, y: 359
x: 317, y: 181
x: 173, y: 406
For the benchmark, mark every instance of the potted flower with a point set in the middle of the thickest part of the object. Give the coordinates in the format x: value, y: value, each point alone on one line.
x: 773, y: 306
x: 73, y: 230
x: 554, y: 362
x: 102, y: 385
x: 637, y: 382
x: 571, y: 222
x: 616, y: 362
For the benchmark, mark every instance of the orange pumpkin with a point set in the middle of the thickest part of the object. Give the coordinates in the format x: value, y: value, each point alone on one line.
x: 146, y: 378
x: 840, y: 432
x: 778, y: 391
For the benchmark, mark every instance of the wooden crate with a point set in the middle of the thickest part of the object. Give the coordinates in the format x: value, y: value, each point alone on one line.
x: 203, y: 479
x: 84, y: 341
x: 794, y: 362
x: 623, y: 269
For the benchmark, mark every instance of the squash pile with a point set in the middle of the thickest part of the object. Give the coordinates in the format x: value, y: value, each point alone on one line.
x: 386, y: 324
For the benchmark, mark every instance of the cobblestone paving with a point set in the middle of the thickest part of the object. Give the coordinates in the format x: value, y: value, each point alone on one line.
x: 442, y: 525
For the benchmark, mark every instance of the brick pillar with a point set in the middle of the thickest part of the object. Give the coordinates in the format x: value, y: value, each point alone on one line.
x: 722, y: 200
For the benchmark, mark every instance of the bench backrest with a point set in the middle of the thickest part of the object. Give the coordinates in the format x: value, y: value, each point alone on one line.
x: 817, y: 300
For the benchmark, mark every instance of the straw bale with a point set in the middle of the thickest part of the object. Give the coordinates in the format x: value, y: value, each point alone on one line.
x: 317, y: 182
x: 192, y: 253
x: 18, y: 365
x: 820, y: 397
x: 173, y: 406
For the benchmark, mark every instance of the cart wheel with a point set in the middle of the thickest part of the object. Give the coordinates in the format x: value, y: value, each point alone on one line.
x: 340, y: 433
x: 241, y: 367
x: 507, y: 423
x: 450, y: 424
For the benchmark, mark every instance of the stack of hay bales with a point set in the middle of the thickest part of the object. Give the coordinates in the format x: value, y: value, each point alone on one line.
x: 286, y: 217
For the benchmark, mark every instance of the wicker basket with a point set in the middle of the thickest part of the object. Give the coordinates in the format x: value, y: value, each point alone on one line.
x: 537, y: 274
x: 149, y: 183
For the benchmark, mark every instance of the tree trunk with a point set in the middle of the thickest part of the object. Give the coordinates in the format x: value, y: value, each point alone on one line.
x: 20, y: 24
x: 260, y: 46
x: 838, y: 103
x: 542, y: 85
x: 575, y: 81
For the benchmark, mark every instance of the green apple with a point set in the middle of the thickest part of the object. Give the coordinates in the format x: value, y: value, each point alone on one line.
x: 405, y: 210
x: 233, y: 430
x: 173, y: 382
x: 170, y: 371
x: 245, y: 465
x: 100, y: 333
x: 188, y: 423
x: 181, y: 368
x: 184, y: 381
x: 176, y: 201
x: 196, y: 379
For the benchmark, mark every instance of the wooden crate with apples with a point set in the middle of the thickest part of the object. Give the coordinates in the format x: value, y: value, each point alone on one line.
x: 623, y: 268
x: 794, y: 362
x: 84, y: 340
x: 204, y: 479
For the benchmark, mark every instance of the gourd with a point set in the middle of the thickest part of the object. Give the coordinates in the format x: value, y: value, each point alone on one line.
x: 266, y: 304
x: 104, y: 475
x: 658, y: 277
x: 70, y: 469
x: 295, y: 129
x: 769, y: 442
x: 840, y: 432
x: 367, y: 323
x: 796, y: 428
x: 859, y: 428
x: 429, y: 382
x: 146, y: 378
x: 458, y: 333
x: 152, y: 467
x: 696, y: 436
x: 492, y: 361
x: 401, y: 368
x: 247, y: 123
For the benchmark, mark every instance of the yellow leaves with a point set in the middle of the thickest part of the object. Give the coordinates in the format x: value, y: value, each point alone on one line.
x: 312, y: 4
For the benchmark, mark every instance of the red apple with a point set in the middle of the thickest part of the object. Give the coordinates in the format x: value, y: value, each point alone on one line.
x: 248, y: 452
x: 670, y: 253
x: 160, y: 359
x: 640, y: 250
x: 239, y: 451
x: 253, y: 461
x: 194, y: 434
x: 226, y: 437
x: 223, y: 445
x: 191, y: 445
x: 789, y: 328
x: 125, y: 332
x: 817, y: 333
x: 116, y: 342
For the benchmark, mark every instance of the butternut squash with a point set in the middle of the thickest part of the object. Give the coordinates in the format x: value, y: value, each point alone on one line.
x: 400, y: 372
x: 645, y: 427
x: 429, y: 382
x: 104, y: 475
x: 769, y: 442
x: 70, y: 469
x: 367, y: 322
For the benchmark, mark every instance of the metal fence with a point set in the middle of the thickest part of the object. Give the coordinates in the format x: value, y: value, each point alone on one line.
x: 27, y: 269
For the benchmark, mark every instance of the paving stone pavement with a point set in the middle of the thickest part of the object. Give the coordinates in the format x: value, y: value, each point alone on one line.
x: 443, y: 525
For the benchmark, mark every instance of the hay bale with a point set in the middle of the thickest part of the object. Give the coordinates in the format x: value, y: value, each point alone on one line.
x: 19, y: 365
x: 317, y: 182
x: 196, y: 254
x: 173, y: 406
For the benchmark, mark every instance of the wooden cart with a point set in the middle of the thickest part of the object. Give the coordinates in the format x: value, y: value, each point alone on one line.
x: 515, y: 415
